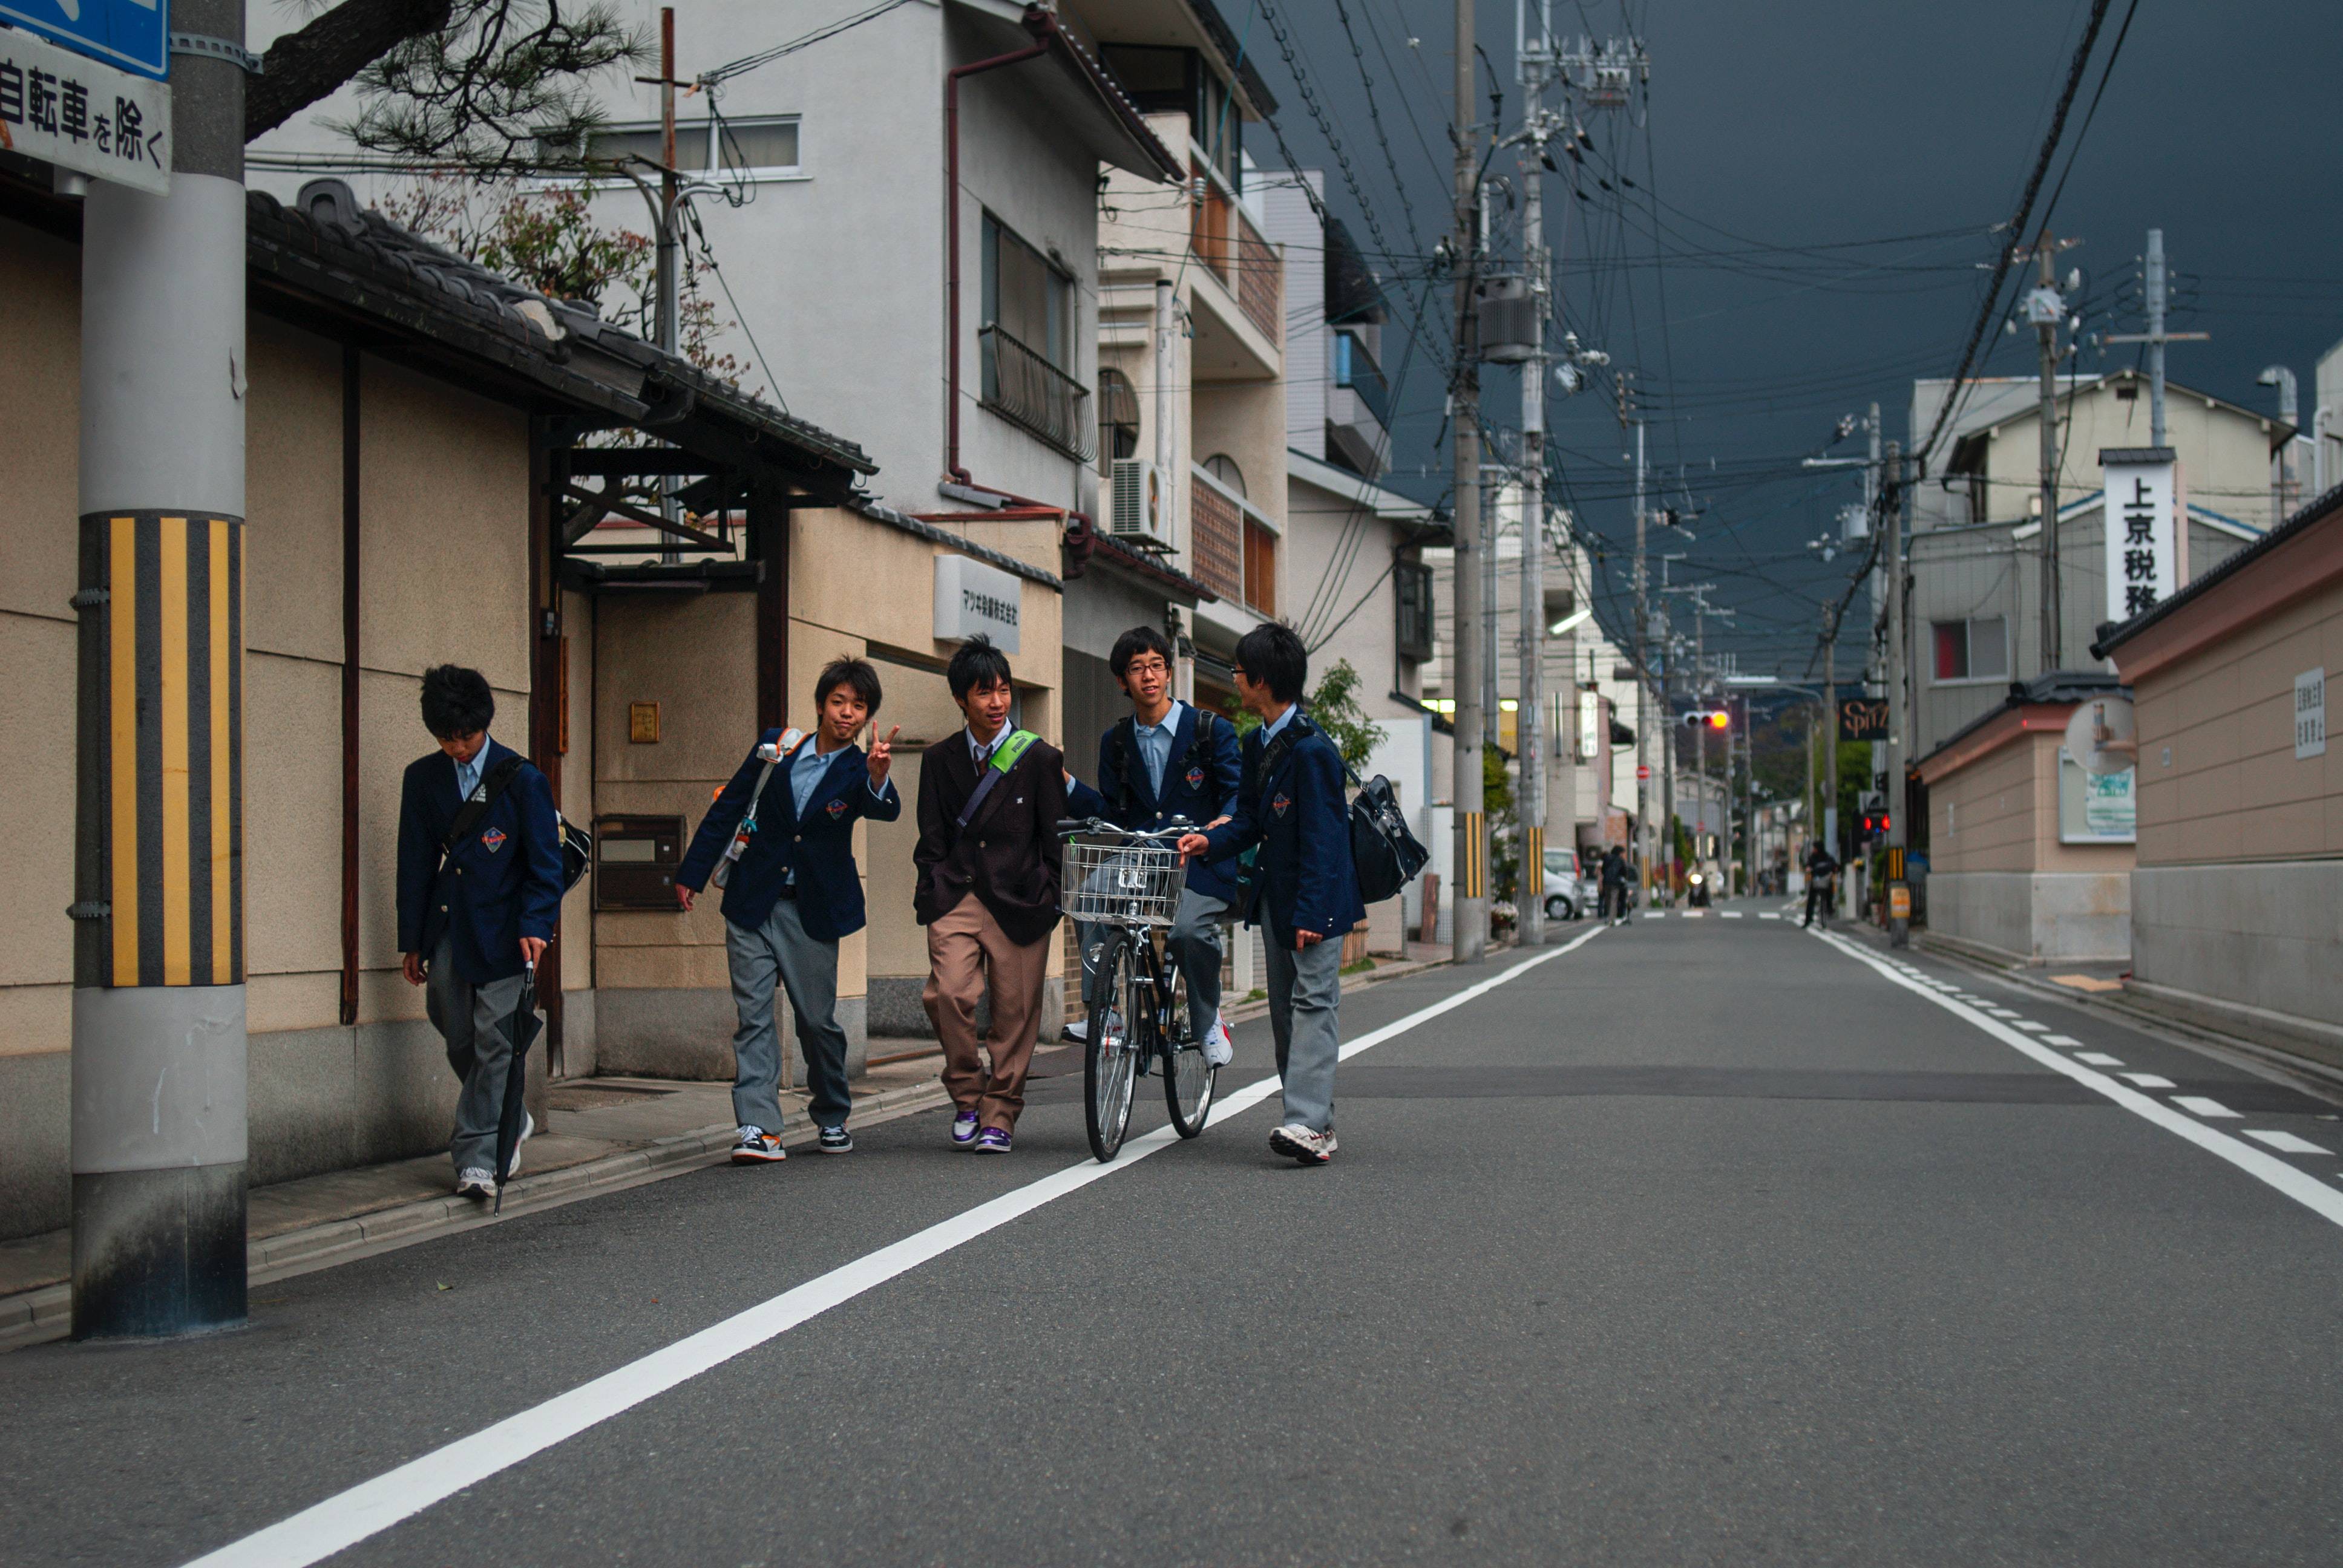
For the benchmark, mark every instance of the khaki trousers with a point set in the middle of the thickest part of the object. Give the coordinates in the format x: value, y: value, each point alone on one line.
x: 965, y: 949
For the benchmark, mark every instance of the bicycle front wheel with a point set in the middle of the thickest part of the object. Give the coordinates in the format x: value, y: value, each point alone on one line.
x: 1188, y: 1081
x: 1117, y: 1034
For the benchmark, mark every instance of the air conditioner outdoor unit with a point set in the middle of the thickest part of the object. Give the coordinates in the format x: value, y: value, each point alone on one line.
x: 1140, y: 512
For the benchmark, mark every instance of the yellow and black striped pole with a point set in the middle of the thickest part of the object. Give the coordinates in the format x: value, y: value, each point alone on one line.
x: 158, y: 1005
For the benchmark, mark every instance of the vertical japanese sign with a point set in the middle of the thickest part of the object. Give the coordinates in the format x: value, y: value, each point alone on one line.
x: 2310, y: 713
x: 2143, y: 556
x: 77, y: 114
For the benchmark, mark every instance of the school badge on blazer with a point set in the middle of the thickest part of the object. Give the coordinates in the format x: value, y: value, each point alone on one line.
x: 1195, y: 777
x: 836, y: 808
x: 493, y: 839
x: 1280, y: 803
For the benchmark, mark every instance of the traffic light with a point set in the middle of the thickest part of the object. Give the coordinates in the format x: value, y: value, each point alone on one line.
x: 1710, y: 717
x: 1872, y: 827
x: 1719, y: 719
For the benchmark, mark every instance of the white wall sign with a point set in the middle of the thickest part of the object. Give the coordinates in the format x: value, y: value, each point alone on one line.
x: 973, y: 597
x: 2310, y: 713
x: 75, y: 113
x: 2143, y: 562
x: 1590, y: 726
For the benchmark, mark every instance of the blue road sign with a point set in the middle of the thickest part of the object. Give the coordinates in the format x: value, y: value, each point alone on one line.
x: 130, y: 35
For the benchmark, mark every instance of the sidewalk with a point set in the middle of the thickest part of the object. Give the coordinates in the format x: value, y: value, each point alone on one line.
x: 602, y: 1134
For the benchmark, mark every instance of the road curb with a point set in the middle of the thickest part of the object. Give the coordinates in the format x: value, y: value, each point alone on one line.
x: 38, y: 1316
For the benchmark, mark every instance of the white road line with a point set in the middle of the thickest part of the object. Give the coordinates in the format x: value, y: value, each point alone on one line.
x: 2286, y: 1142
x: 1769, y: 915
x: 1656, y: 914
x: 1731, y: 914
x: 2204, y: 1107
x: 2030, y: 1027
x: 2147, y: 1081
x: 2098, y: 1059
x: 2306, y: 1189
x: 2061, y: 1039
x: 1999, y: 1011
x: 1695, y: 914
x: 371, y: 1507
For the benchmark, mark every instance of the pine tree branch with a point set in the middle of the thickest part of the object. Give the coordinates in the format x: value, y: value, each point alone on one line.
x: 302, y: 67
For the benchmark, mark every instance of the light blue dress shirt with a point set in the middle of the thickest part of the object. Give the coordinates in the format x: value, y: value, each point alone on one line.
x: 468, y: 774
x: 1155, y: 746
x: 1270, y: 732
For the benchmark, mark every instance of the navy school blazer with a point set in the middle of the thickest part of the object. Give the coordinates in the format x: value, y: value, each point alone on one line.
x: 1199, y: 789
x: 1302, y: 824
x: 501, y: 883
x: 819, y: 849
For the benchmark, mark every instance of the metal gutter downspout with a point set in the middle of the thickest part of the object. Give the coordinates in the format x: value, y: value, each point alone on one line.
x: 1044, y: 27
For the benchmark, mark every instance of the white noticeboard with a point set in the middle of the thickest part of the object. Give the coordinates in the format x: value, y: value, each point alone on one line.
x: 2310, y: 713
x: 972, y: 597
x: 75, y: 113
x: 2143, y: 557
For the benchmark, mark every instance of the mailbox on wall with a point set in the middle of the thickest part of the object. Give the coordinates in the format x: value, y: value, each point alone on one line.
x: 635, y: 861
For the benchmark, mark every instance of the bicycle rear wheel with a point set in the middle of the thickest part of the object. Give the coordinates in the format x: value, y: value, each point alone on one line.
x: 1189, y: 1081
x: 1121, y: 1013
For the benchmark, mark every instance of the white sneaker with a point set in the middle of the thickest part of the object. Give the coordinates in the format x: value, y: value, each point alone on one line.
x: 473, y: 1181
x: 1296, y: 1141
x: 1079, y: 1031
x: 1219, y: 1048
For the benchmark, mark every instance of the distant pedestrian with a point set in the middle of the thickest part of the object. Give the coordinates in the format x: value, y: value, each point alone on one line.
x: 989, y: 860
x: 479, y: 890
x: 793, y: 892
x: 1292, y: 805
x: 1822, y: 883
x: 1615, y: 886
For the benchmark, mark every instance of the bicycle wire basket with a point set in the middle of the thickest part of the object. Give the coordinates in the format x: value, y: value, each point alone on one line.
x: 1121, y: 879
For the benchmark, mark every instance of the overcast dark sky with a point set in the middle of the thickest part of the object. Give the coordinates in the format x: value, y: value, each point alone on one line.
x: 1779, y: 139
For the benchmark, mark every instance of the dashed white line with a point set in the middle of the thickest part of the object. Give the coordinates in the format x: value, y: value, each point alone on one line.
x: 1656, y: 914
x: 2204, y: 1107
x: 2000, y: 1012
x: 2098, y: 1059
x: 2030, y: 1027
x: 2286, y: 1142
x: 1730, y: 914
x: 2148, y: 1080
x: 2305, y: 1189
x: 2061, y: 1039
x: 1769, y: 915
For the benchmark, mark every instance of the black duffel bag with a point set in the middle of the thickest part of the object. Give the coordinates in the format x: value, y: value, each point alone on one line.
x: 1384, y: 853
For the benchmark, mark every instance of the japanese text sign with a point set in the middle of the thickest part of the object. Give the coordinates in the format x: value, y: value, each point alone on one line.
x: 2143, y: 556
x: 128, y: 34
x: 77, y: 114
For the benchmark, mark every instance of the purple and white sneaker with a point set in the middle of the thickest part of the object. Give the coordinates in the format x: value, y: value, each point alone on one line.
x: 963, y: 1132
x: 992, y: 1141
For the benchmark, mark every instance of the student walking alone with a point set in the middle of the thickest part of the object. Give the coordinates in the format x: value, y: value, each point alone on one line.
x: 479, y: 890
x: 1292, y: 805
x: 792, y: 893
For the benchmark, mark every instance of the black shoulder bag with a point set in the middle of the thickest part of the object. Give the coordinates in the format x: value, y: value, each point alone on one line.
x: 1384, y: 856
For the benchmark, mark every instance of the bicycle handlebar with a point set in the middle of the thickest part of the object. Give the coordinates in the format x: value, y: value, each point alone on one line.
x: 1178, y: 826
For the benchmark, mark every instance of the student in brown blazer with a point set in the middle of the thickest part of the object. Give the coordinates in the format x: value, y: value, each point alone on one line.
x: 988, y: 892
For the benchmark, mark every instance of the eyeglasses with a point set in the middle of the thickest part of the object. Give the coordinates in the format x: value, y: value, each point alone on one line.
x: 1146, y: 666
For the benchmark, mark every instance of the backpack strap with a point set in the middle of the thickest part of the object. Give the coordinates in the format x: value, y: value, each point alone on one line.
x: 1005, y: 757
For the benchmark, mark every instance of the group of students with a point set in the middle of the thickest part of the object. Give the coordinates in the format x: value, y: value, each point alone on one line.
x: 481, y: 883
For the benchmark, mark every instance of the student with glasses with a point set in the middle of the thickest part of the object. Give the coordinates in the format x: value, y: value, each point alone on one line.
x: 1168, y: 759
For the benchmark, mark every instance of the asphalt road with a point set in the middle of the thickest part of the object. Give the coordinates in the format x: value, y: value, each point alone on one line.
x: 1703, y: 1242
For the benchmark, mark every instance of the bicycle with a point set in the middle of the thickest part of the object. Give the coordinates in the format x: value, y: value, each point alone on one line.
x: 1129, y: 883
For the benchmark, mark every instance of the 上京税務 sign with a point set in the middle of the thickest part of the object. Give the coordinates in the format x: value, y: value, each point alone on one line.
x: 2143, y: 557
x: 75, y: 113
x: 132, y: 35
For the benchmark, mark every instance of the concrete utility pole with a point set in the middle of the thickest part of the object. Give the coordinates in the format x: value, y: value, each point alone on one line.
x: 2157, y: 293
x: 1529, y: 718
x: 1646, y: 836
x: 158, y: 1002
x: 1469, y: 904
x: 667, y: 255
x: 1830, y: 731
x: 1899, y: 831
x: 2046, y: 308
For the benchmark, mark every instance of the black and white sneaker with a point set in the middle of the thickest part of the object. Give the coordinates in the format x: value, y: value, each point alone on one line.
x: 835, y: 1141
x: 757, y: 1147
x: 1304, y: 1144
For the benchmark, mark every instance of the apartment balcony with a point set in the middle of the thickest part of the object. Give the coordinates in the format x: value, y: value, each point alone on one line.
x: 1358, y: 408
x: 1232, y: 545
x: 1024, y: 388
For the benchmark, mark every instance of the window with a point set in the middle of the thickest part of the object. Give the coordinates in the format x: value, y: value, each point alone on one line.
x: 1975, y: 649
x: 1118, y: 418
x: 1223, y: 468
x: 1164, y: 81
x: 1412, y: 589
x: 759, y: 147
x: 1025, y: 297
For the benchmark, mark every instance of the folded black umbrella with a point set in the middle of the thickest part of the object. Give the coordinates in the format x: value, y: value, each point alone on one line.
x: 525, y: 1028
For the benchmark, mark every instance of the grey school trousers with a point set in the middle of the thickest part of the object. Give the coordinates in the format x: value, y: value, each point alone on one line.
x: 807, y: 966
x: 475, y: 1021
x: 1305, y: 998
